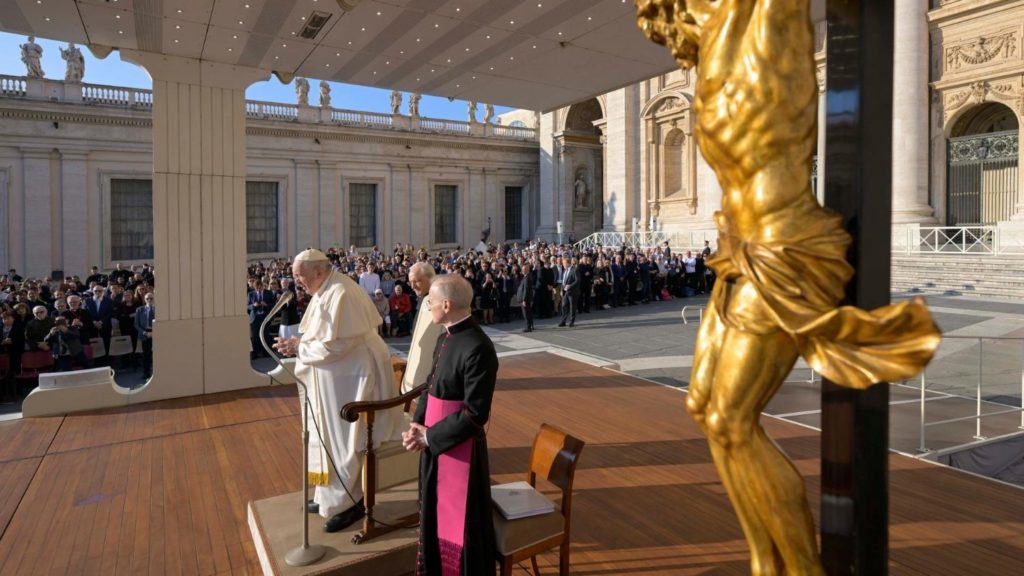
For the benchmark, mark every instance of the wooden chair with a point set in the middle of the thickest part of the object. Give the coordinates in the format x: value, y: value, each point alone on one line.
x: 554, y: 458
x: 388, y: 465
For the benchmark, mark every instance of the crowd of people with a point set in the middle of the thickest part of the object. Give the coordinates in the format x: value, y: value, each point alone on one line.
x: 62, y: 317
x: 604, y: 277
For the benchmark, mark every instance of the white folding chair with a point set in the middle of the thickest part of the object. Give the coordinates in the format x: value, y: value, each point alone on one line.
x: 98, y: 349
x: 120, y: 346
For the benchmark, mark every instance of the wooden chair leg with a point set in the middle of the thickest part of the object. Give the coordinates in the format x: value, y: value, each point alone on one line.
x: 533, y: 561
x: 563, y: 560
x: 506, y: 566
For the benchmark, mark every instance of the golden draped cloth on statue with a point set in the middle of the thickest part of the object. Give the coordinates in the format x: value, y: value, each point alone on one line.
x: 799, y: 276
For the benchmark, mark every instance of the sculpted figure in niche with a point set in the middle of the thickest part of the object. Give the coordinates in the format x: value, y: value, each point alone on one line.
x: 325, y: 94
x: 302, y: 91
x: 76, y: 63
x: 396, y: 101
x: 414, y: 105
x: 31, y: 53
x: 580, y: 190
x: 472, y: 112
x: 488, y: 113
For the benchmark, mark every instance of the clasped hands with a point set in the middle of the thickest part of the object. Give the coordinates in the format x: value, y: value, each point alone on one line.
x: 415, y: 438
x: 287, y: 346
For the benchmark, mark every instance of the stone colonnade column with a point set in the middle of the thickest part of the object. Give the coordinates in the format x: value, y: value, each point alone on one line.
x: 910, y: 115
x: 201, y: 335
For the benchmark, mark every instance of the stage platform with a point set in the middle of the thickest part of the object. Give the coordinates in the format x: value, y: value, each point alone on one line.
x: 162, y: 488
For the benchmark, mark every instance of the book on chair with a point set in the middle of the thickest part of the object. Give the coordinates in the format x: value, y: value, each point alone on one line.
x: 520, y: 500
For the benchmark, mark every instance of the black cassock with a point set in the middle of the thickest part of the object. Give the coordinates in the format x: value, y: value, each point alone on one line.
x: 465, y: 369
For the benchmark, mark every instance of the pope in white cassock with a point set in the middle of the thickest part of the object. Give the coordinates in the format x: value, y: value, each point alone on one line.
x: 341, y: 358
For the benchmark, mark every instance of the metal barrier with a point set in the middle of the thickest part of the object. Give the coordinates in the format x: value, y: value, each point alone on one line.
x: 700, y: 313
x: 977, y: 416
x: 677, y: 240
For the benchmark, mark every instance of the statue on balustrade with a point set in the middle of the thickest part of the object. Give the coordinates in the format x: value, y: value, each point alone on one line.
x: 76, y: 63
x: 414, y: 105
x: 396, y: 102
x: 488, y: 113
x: 472, y: 112
x: 782, y: 259
x: 325, y: 94
x: 302, y: 91
x: 31, y: 54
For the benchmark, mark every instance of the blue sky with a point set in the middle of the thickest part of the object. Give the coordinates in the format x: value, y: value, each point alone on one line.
x: 113, y: 71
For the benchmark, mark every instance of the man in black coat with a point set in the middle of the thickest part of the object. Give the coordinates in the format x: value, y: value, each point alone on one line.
x: 449, y: 430
x: 570, y: 292
x: 525, y: 296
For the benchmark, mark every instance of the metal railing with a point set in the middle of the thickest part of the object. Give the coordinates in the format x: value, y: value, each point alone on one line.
x: 677, y: 240
x: 953, y: 240
x: 955, y: 369
x: 700, y: 313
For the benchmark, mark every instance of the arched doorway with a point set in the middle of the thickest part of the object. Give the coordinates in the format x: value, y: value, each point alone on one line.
x: 982, y: 166
x: 582, y: 170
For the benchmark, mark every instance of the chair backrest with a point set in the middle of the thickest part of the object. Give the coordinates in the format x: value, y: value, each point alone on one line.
x: 120, y: 345
x: 554, y: 458
x: 36, y: 359
x: 99, y: 349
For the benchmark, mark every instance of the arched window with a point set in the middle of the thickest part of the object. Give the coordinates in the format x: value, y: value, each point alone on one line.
x: 518, y: 124
x: 672, y: 160
x: 981, y: 166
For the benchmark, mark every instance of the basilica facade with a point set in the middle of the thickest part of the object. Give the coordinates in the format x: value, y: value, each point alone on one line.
x: 957, y: 105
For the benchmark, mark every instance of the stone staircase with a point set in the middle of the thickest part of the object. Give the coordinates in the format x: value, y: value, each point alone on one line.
x: 959, y: 275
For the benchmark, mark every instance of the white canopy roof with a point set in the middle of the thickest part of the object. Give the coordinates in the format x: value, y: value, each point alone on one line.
x: 535, y: 54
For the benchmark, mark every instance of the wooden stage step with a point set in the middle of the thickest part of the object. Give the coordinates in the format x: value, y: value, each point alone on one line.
x: 163, y: 488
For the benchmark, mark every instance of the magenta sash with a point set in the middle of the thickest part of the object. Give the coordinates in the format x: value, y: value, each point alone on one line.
x: 452, y: 489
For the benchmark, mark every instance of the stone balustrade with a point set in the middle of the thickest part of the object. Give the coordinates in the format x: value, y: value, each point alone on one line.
x: 138, y: 98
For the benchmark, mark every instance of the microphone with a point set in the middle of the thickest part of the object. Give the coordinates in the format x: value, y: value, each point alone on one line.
x: 281, y: 302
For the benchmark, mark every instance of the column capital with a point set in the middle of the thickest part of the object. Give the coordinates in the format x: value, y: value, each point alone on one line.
x: 162, y: 67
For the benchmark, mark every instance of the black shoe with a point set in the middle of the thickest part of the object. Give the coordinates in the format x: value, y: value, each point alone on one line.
x: 527, y: 329
x: 343, y: 520
x: 562, y: 325
x: 572, y: 324
x: 312, y: 507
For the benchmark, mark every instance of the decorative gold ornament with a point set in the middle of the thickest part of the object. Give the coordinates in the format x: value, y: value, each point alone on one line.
x: 781, y: 262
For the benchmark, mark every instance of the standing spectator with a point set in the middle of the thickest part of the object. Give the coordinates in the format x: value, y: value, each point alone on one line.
x: 618, y: 282
x: 96, y: 276
x: 120, y: 275
x: 644, y: 274
x: 290, y: 317
x: 126, y: 320
x: 144, y: 317
x: 12, y: 343
x: 370, y: 280
x: 506, y: 286
x: 101, y: 311
x: 689, y: 274
x: 261, y: 301
x: 525, y: 295
x: 632, y: 278
x: 570, y: 292
x: 488, y: 298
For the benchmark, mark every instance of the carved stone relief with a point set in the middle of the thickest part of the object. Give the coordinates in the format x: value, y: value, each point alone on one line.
x: 981, y: 50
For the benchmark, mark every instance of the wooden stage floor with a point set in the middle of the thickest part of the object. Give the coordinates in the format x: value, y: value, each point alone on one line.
x: 161, y: 488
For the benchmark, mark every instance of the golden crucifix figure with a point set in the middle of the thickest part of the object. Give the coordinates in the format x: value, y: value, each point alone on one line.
x: 781, y: 262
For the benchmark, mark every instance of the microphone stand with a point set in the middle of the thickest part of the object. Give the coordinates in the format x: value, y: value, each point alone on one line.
x: 305, y: 554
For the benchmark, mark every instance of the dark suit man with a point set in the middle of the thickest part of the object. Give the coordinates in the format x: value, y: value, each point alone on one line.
x: 525, y: 296
x: 101, y: 310
x: 12, y: 343
x: 261, y: 301
x: 570, y: 292
x: 144, y: 318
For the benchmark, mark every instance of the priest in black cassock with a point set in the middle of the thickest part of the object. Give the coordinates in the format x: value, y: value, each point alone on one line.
x: 456, y: 530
